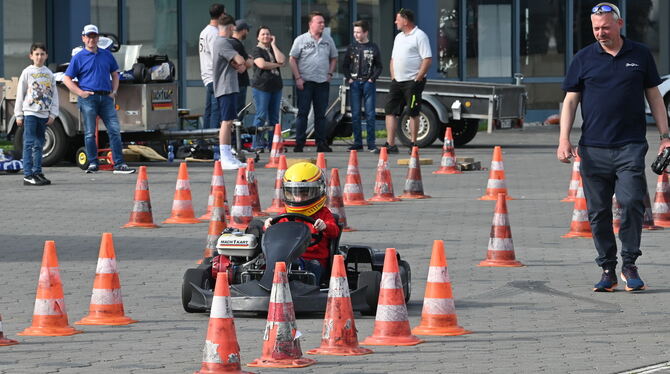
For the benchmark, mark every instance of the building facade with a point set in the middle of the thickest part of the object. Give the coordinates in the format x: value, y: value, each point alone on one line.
x: 472, y: 40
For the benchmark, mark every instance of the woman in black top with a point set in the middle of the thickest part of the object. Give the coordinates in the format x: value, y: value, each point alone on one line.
x: 267, y: 83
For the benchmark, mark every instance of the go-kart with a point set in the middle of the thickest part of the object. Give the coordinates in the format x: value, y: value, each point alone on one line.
x: 249, y: 258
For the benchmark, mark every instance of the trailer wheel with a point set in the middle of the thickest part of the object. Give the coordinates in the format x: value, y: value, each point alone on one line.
x: 429, y: 128
x: 464, y: 130
x: 81, y: 158
x: 55, y: 143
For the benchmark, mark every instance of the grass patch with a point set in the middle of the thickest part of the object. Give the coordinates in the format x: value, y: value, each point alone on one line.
x: 6, y: 145
x: 379, y: 134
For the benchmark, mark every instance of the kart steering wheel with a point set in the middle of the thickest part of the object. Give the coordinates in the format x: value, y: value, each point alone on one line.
x: 316, y: 238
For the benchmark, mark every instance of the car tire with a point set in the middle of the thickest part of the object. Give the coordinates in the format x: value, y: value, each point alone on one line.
x: 429, y: 128
x: 56, y: 143
x: 371, y: 280
x: 405, y: 278
x: 195, y: 276
x: 81, y: 158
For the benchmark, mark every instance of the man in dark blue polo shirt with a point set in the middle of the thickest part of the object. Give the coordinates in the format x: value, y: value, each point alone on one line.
x: 97, y: 76
x: 610, y: 79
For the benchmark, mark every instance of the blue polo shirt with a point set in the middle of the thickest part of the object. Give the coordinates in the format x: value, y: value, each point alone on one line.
x: 612, y: 92
x: 93, y: 70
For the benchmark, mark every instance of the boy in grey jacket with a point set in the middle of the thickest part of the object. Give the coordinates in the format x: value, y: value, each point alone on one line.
x: 36, y: 107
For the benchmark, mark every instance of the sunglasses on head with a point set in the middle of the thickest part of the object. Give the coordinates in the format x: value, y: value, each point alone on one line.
x: 604, y: 8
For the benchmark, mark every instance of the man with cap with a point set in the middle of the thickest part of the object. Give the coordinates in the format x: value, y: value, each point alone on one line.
x: 239, y: 35
x: 97, y: 76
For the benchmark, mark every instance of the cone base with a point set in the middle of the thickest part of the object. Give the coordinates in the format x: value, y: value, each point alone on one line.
x: 288, y: 363
x: 440, y: 331
x: 357, y: 202
x: 205, y: 217
x: 260, y: 214
x: 577, y: 235
x: 340, y: 351
x: 490, y: 197
x: 6, y: 342
x: 105, y: 321
x: 652, y: 227
x: 568, y: 200
x: 447, y: 172
x: 494, y: 263
x: 348, y: 229
x: 383, y: 199
x: 140, y: 225
x: 203, y: 371
x: 392, y: 340
x: 271, y: 166
x: 662, y: 223
x: 49, y: 331
x: 185, y: 221
x: 406, y: 196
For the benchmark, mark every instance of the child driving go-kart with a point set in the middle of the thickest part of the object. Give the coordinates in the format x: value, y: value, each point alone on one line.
x: 304, y: 190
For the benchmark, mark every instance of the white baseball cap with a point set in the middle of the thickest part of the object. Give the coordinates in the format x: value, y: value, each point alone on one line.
x: 90, y: 29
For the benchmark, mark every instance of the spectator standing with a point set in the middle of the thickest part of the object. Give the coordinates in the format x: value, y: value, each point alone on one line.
x: 36, y: 107
x: 208, y: 35
x: 92, y: 67
x: 410, y: 60
x: 313, y: 60
x: 362, y: 66
x: 239, y: 35
x: 267, y: 84
x: 611, y: 79
x: 227, y: 63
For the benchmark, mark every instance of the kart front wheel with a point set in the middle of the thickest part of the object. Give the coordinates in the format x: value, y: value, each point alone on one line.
x: 197, y: 277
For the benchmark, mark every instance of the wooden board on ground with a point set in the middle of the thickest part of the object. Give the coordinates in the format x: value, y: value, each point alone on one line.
x: 469, y: 166
x: 191, y: 159
x: 291, y: 161
x: 422, y: 161
x: 147, y: 152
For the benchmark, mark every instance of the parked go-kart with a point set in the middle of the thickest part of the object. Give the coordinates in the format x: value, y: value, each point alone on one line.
x: 250, y: 265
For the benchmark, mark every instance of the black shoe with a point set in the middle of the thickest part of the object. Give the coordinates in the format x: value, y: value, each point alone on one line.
x: 373, y: 150
x: 298, y: 149
x: 92, y: 168
x: 123, y: 169
x: 355, y: 147
x: 392, y: 148
x: 607, y: 281
x: 324, y: 148
x: 30, y: 180
x: 41, y: 177
x: 631, y: 278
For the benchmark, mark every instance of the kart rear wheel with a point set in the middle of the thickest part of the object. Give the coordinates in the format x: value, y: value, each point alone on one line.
x: 372, y: 280
x: 197, y: 277
x: 405, y: 278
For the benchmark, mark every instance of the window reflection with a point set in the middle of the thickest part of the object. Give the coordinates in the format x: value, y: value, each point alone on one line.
x: 276, y: 15
x: 153, y: 24
x: 642, y: 25
x: 447, y: 38
x: 542, y: 38
x: 338, y: 22
x: 489, y: 38
x: 583, y: 34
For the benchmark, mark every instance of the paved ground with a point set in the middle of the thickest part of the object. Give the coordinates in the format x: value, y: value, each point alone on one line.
x: 540, y: 318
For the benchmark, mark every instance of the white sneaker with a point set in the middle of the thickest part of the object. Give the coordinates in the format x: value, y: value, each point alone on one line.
x: 231, y: 164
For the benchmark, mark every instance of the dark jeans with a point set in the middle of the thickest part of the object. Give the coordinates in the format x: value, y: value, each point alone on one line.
x: 211, y: 118
x: 101, y: 106
x: 606, y: 171
x: 33, y: 141
x: 316, y: 94
x: 363, y: 91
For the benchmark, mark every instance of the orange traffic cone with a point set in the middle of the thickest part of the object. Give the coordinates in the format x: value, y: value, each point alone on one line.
x: 580, y: 226
x: 339, y: 336
x: 391, y: 322
x: 648, y: 218
x: 277, y: 148
x: 241, y: 213
x: 661, y: 211
x: 448, y: 162
x: 221, y: 353
x: 281, y: 344
x: 496, y: 183
x: 383, y: 183
x: 353, y: 188
x: 616, y: 215
x: 277, y: 205
x: 413, y: 183
x: 6, y: 341
x: 141, y: 215
x: 217, y: 223
x: 182, y: 207
x: 438, y: 316
x: 253, y: 189
x: 49, y: 315
x: 217, y: 185
x: 106, y: 304
x: 322, y: 164
x: 501, y: 246
x: 574, y: 181
x: 334, y: 201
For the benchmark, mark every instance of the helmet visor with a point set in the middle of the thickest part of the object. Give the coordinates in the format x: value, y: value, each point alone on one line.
x: 302, y: 193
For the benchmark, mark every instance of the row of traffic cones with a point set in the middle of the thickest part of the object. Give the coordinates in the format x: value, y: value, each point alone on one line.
x: 281, y: 344
x: 50, y: 314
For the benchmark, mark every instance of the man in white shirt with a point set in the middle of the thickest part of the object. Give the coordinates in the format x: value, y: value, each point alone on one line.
x: 410, y: 60
x: 210, y: 119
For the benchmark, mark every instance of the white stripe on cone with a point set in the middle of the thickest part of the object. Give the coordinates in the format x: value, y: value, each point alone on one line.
x: 352, y: 188
x: 580, y: 215
x: 48, y: 276
x: 210, y: 354
x: 106, y: 297
x: 49, y: 307
x: 142, y: 185
x: 241, y: 211
x: 448, y: 161
x: 352, y: 169
x: 438, y: 274
x: 106, y: 266
x: 141, y: 206
x: 496, y: 183
x: 661, y: 208
x: 413, y: 185
x: 438, y: 306
x: 390, y: 281
x: 338, y: 287
x: 413, y: 163
x: 280, y: 294
x: 497, y: 165
x: 182, y: 205
x: 183, y: 184
x: 501, y: 244
x: 217, y: 180
x: 221, y: 307
x: 574, y: 184
x: 500, y: 219
x: 391, y: 313
x: 242, y: 190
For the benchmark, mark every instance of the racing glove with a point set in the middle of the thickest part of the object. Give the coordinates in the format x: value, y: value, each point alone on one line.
x: 319, y: 225
x: 267, y: 223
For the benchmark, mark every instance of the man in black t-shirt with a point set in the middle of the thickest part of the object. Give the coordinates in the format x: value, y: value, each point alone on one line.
x: 239, y: 35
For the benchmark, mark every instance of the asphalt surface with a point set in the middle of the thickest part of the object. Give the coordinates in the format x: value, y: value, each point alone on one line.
x: 539, y: 318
